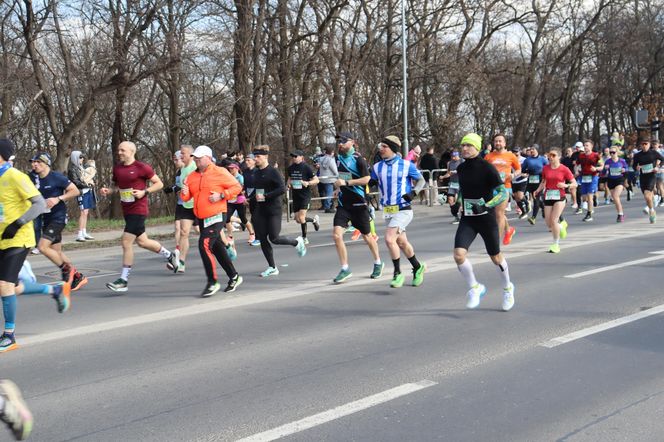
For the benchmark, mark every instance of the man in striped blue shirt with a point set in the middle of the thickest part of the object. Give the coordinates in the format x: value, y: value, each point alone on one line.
x: 395, y: 176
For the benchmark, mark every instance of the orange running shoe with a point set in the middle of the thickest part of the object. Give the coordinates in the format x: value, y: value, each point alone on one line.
x: 356, y: 235
x: 507, y: 239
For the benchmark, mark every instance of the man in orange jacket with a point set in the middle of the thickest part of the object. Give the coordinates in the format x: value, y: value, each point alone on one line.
x: 210, y: 187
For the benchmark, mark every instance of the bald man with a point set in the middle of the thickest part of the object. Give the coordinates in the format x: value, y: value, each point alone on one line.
x: 135, y: 181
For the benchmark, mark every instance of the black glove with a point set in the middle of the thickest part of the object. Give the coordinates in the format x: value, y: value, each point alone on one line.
x: 478, y: 208
x: 168, y: 189
x: 409, y: 196
x: 10, y: 230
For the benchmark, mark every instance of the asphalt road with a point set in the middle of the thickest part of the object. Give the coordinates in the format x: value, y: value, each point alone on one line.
x: 297, y: 356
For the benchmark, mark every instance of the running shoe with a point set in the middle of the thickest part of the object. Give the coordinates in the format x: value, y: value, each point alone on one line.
x: 523, y: 215
x: 620, y: 218
x: 377, y: 270
x: 532, y: 220
x: 509, y: 207
x: 456, y: 220
x: 210, y: 289
x: 15, y: 412
x: 397, y: 281
x: 270, y: 271
x: 182, y: 267
x: 588, y: 217
x: 555, y: 248
x: 35, y: 251
x: 607, y: 202
x: 475, y: 295
x: 563, y: 229
x: 356, y: 235
x: 646, y: 210
x: 316, y: 223
x: 7, y: 342
x: 119, y: 285
x: 78, y: 281
x: 629, y: 195
x: 579, y: 211
x: 342, y: 276
x: 232, y: 253
x: 508, y: 298
x: 256, y: 242
x: 80, y: 238
x: 62, y: 296
x: 652, y: 217
x: 306, y: 241
x: 301, y: 248
x: 233, y: 283
x: 418, y: 275
x: 507, y: 239
x: 88, y: 237
x: 252, y: 238
x: 174, y: 261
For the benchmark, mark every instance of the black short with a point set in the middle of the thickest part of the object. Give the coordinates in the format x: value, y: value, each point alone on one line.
x: 550, y: 203
x: 53, y: 232
x: 357, y: 216
x: 135, y: 224
x: 603, y: 179
x: 615, y: 182
x: 519, y: 187
x: 647, y: 181
x: 532, y: 187
x: 484, y: 225
x: 181, y: 212
x: 11, y: 261
x: 301, y: 202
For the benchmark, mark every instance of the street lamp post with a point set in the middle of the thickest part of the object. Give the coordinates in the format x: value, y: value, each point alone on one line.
x: 404, y: 144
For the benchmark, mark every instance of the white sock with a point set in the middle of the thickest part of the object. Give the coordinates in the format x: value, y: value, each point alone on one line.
x: 466, y: 270
x: 164, y: 252
x: 345, y: 267
x: 504, y: 273
x: 125, y: 272
x: 81, y: 233
x: 378, y: 262
x: 85, y: 232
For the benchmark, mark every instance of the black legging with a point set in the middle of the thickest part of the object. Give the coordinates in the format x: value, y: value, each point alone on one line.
x: 268, y: 227
x: 241, y: 213
x: 210, y: 246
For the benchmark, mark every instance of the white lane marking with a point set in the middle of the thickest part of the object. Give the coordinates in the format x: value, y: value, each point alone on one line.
x: 602, y: 327
x: 660, y: 255
x: 338, y: 412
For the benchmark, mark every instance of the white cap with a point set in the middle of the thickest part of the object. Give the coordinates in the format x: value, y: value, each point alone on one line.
x: 578, y: 144
x: 203, y: 151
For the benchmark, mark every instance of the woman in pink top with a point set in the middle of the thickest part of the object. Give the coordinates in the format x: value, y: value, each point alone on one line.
x: 414, y: 154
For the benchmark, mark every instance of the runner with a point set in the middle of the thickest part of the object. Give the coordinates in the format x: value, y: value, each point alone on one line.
x: 237, y: 205
x: 590, y: 164
x: 481, y: 190
x: 248, y: 173
x: 184, y: 213
x: 352, y: 207
x: 603, y: 176
x: 14, y: 412
x: 210, y: 187
x: 646, y: 163
x: 532, y: 166
x: 269, y: 189
x: 556, y: 177
x: 130, y: 177
x: 300, y: 177
x: 520, y: 182
x: 28, y: 285
x: 394, y: 176
x: 20, y: 203
x: 507, y: 164
x: 615, y: 171
x: 56, y: 189
x: 453, y: 185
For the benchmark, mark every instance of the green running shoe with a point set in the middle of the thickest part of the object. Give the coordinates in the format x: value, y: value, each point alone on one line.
x: 563, y: 229
x: 377, y: 270
x: 342, y: 276
x: 397, y: 281
x: 418, y: 275
x: 555, y: 248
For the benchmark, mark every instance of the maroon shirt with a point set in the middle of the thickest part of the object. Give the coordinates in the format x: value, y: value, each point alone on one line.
x: 130, y: 177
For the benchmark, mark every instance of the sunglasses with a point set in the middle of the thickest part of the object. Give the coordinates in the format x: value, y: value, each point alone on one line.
x: 552, y: 155
x: 613, y: 152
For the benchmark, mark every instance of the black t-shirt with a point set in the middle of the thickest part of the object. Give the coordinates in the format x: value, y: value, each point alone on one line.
x: 268, y: 182
x: 352, y: 168
x: 478, y: 179
x: 51, y: 186
x: 298, y: 173
x: 644, y: 159
x: 428, y: 162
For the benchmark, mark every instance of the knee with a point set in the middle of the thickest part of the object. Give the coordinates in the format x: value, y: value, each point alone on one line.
x: 459, y: 256
x: 337, y: 236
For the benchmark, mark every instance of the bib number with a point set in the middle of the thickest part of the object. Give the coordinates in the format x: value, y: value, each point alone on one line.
x: 2, y: 213
x: 260, y: 195
x: 647, y: 168
x: 126, y: 196
x: 587, y: 179
x: 346, y: 176
x: 533, y: 179
x: 454, y: 185
x: 296, y: 184
x: 474, y: 207
x: 390, y: 210
x: 615, y: 171
x: 552, y: 194
x: 218, y: 218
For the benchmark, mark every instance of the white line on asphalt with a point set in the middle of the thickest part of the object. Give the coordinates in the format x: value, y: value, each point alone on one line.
x: 338, y: 412
x: 602, y: 327
x: 660, y: 255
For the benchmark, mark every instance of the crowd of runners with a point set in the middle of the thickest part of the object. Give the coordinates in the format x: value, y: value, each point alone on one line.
x: 481, y: 184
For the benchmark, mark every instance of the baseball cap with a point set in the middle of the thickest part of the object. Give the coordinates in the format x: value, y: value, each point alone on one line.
x: 43, y: 157
x: 297, y: 153
x: 203, y: 151
x: 250, y: 156
x: 178, y: 154
x: 344, y: 137
x: 578, y: 145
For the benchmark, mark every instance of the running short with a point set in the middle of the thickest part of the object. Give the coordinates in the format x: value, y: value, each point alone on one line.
x: 87, y: 200
x: 135, y: 224
x: 301, y: 202
x: 484, y: 225
x: 648, y: 181
x: 53, y: 232
x: 615, y: 182
x: 591, y: 187
x: 358, y: 217
x: 550, y: 203
x: 532, y: 187
x: 181, y: 212
x: 11, y: 261
x: 520, y: 187
x: 400, y: 220
x: 603, y: 179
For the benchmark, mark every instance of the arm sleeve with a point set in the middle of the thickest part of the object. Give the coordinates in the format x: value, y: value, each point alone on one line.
x: 500, y: 196
x: 421, y: 182
x: 37, y: 208
x: 372, y: 172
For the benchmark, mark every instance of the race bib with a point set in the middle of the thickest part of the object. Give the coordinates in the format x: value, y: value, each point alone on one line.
x: 552, y: 194
x: 126, y: 196
x: 470, y: 207
x: 533, y: 179
x: 345, y: 176
x: 647, y: 168
x: 630, y: 169
x: 587, y: 179
x: 260, y: 195
x: 218, y: 218
x: 390, y: 210
x: 615, y: 171
x: 296, y: 184
x: 454, y: 185
x: 2, y: 213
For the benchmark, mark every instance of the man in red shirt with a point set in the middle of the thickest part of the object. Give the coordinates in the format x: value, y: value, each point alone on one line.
x: 130, y: 177
x: 590, y: 163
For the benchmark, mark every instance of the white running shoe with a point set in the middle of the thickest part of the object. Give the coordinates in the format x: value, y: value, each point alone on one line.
x: 646, y: 210
x: 475, y: 295
x: 270, y: 271
x: 508, y: 298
